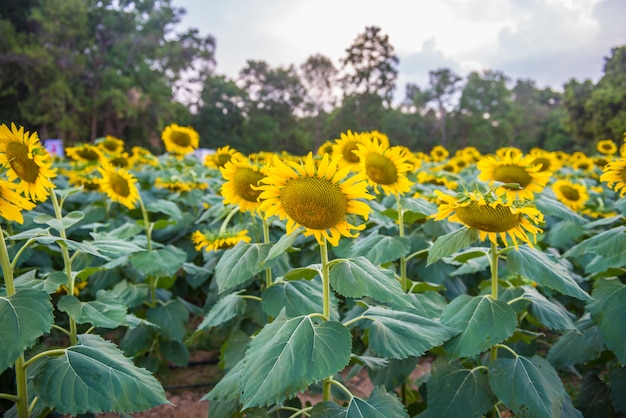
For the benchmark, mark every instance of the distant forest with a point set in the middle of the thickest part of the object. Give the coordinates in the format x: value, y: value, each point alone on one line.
x: 81, y: 69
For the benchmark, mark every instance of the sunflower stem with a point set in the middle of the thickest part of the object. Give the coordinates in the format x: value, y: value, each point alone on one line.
x: 266, y: 240
x: 493, y: 260
x: 148, y: 228
x: 404, y: 281
x: 227, y: 220
x: 21, y: 399
x: 67, y: 263
x: 326, y: 383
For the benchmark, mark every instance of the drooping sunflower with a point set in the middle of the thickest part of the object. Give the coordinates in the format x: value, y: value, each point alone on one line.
x: 606, y: 147
x: 119, y: 185
x: 27, y: 162
x: 514, y: 168
x: 384, y: 166
x: 242, y: 177
x: 85, y: 153
x: 318, y: 197
x: 12, y: 203
x: 180, y: 140
x: 614, y: 175
x: 344, y: 147
x: 209, y: 241
x: 221, y: 156
x: 491, y: 215
x: 572, y: 195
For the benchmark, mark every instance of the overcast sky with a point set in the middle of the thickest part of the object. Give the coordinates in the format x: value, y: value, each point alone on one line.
x: 549, y: 41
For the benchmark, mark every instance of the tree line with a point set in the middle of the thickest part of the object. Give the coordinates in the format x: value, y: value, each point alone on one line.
x: 81, y: 69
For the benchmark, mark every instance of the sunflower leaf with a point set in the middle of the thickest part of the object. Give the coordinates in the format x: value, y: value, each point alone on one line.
x: 163, y: 262
x: 224, y: 310
x: 381, y: 404
x: 535, y: 265
x: 450, y: 243
x: 380, y: 249
x: 60, y: 225
x: 608, y: 311
x: 608, y: 243
x: 298, y: 298
x: 95, y: 376
x: 240, y: 263
x: 483, y: 321
x: 166, y: 207
x: 107, y: 311
x: 288, y: 355
x: 549, y: 313
x: 171, y: 318
x: 26, y: 315
x: 577, y: 347
x: 553, y: 207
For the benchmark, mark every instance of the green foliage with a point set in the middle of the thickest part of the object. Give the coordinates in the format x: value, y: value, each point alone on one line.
x: 380, y: 405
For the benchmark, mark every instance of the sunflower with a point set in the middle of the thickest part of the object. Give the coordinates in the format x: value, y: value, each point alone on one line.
x: 222, y: 240
x: 514, y: 168
x: 221, y: 156
x: 242, y: 177
x: 121, y: 160
x: 141, y: 155
x: 437, y: 179
x: 345, y: 147
x: 27, y: 162
x: 119, y: 185
x: 546, y: 160
x: 378, y: 137
x: 325, y: 148
x: 318, y: 197
x: 86, y: 179
x: 504, y: 151
x: 85, y: 153
x: 571, y: 194
x: 614, y: 175
x: 490, y: 215
x: 582, y: 162
x: 110, y: 144
x: 384, y: 166
x: 180, y: 140
x: 439, y: 153
x: 12, y: 203
x: 606, y: 147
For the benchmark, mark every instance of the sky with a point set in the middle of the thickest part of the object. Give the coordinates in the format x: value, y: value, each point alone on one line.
x: 548, y: 41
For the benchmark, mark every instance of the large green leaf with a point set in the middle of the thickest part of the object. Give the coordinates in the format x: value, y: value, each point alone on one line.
x: 356, y: 278
x: 595, y: 398
x: 380, y: 249
x: 551, y: 314
x: 380, y: 404
x: 282, y: 245
x: 399, y: 335
x: 576, y: 347
x: 298, y: 298
x: 535, y: 265
x: 454, y: 391
x: 288, y: 355
x: 227, y: 389
x: 107, y: 311
x: 95, y: 376
x: 552, y: 207
x: 66, y: 221
x: 608, y: 311
x: 162, y: 262
x: 608, y: 243
x: 450, y: 243
x: 24, y: 317
x: 225, y: 309
x: 483, y: 321
x: 114, y: 247
x: 530, y: 386
x: 171, y: 318
x: 165, y: 206
x: 618, y: 388
x: 239, y: 264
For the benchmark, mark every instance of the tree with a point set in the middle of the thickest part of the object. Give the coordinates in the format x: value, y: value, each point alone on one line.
x: 443, y: 87
x: 578, y: 119
x: 319, y: 76
x: 371, y: 65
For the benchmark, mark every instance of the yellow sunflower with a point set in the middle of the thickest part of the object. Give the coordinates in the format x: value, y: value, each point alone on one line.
x: 85, y: 153
x: 606, y: 147
x: 12, y: 203
x: 87, y: 179
x: 384, y: 166
x: 490, y: 215
x: 378, y: 137
x: 141, y: 155
x: 27, y: 162
x: 439, y: 153
x: 345, y: 147
x: 572, y: 195
x: 221, y: 156
x: 180, y: 140
x: 614, y: 175
x: 110, y: 144
x: 580, y: 161
x: 505, y: 151
x: 242, y: 177
x: 513, y: 168
x: 119, y: 185
x: 220, y: 241
x: 121, y: 160
x: 318, y: 197
x: 546, y: 160
x: 325, y: 148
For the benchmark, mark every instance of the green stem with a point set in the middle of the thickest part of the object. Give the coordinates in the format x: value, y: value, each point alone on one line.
x: 21, y: 399
x: 148, y: 228
x: 406, y: 284
x: 227, y: 219
x: 20, y: 251
x: 326, y: 383
x: 266, y: 240
x: 493, y: 260
x: 47, y: 353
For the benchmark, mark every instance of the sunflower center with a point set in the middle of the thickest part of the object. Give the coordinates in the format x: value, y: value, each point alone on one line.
x: 119, y: 185
x: 623, y: 175
x: 243, y: 180
x: 26, y: 168
x: 543, y: 163
x: 119, y: 162
x: 222, y: 159
x: 88, y: 154
x: 314, y: 203
x: 380, y: 169
x: 512, y: 174
x: 181, y: 139
x: 348, y: 153
x: 486, y: 218
x: 570, y: 193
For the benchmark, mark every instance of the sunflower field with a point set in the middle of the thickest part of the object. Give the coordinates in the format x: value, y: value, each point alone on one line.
x: 461, y: 284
